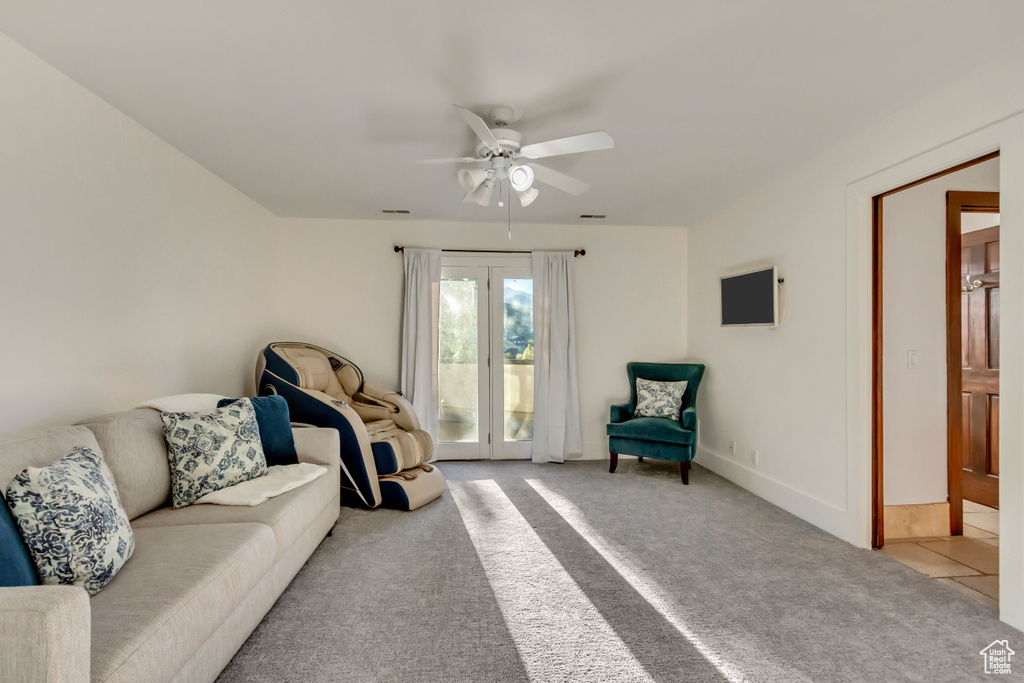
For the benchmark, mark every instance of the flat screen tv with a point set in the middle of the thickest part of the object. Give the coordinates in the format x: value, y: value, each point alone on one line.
x: 750, y: 298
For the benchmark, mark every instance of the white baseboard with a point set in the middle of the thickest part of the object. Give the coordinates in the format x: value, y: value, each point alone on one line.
x: 824, y: 515
x: 594, y: 450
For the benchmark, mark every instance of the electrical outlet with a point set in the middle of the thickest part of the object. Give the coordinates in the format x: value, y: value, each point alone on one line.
x: 753, y: 457
x: 912, y: 359
x: 732, y: 448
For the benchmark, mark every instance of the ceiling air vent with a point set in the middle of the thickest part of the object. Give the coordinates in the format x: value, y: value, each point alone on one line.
x: 592, y: 215
x: 402, y: 211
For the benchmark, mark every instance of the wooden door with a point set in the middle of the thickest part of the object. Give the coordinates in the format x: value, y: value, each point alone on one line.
x: 979, y: 345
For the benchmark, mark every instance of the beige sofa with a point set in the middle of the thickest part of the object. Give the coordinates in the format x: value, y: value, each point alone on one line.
x: 199, y: 582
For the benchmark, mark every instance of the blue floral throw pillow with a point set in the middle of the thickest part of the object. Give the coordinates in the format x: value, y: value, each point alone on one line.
x: 211, y: 451
x: 71, y: 518
x: 659, y: 399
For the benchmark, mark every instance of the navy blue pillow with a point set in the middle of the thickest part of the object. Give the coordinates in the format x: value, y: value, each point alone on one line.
x: 275, y: 428
x: 16, y: 568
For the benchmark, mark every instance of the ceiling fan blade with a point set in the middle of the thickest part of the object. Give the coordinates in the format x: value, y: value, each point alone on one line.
x: 558, y: 180
x: 469, y: 199
x: 586, y: 142
x: 479, y: 127
x: 450, y: 160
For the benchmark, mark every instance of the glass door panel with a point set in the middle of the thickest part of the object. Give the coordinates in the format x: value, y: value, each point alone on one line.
x: 513, y: 376
x: 463, y: 418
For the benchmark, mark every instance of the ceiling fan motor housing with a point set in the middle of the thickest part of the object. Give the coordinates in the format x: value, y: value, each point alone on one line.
x: 509, y: 143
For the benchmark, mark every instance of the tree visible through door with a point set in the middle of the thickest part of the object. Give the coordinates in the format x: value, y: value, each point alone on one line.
x: 979, y: 323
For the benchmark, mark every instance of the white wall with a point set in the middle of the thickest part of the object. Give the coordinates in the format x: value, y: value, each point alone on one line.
x: 341, y: 287
x: 801, y: 394
x: 127, y: 270
x: 914, y: 318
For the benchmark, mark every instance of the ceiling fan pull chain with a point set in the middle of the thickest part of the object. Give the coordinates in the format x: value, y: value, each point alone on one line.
x: 510, y: 218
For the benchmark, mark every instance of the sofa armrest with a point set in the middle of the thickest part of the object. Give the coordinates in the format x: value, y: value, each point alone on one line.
x: 45, y: 634
x: 622, y: 412
x: 689, y: 419
x: 406, y: 417
x: 320, y: 446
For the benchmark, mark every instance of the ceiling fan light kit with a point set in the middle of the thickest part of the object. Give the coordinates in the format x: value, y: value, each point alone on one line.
x: 482, y: 194
x: 520, y: 177
x: 527, y: 196
x: 471, y: 178
x: 502, y: 148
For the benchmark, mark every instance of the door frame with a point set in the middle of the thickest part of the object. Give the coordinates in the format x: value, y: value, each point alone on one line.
x: 956, y: 203
x: 490, y: 366
x: 877, y: 345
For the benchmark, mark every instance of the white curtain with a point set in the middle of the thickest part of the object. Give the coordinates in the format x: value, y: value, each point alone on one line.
x: 419, y: 334
x: 556, y: 403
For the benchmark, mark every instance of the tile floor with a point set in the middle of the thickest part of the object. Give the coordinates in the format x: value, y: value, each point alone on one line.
x: 968, y: 563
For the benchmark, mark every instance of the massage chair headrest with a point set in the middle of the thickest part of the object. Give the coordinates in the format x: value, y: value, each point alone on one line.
x: 318, y: 371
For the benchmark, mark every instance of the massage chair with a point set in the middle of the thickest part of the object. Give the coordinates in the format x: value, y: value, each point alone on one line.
x: 384, y: 453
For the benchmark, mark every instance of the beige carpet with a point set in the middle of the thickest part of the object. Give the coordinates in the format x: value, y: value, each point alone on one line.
x: 567, y: 573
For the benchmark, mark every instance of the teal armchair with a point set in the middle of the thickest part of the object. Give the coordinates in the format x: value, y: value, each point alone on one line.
x: 657, y: 437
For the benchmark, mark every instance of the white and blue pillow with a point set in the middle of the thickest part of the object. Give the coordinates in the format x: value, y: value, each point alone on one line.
x: 71, y: 519
x: 211, y: 451
x: 659, y: 399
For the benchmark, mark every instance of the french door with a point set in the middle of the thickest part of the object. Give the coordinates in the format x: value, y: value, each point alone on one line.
x: 485, y: 361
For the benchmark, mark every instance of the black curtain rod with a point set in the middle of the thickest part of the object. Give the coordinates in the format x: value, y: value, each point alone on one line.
x: 578, y: 252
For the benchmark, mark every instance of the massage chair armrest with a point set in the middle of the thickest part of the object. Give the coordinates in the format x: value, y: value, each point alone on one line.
x: 45, y: 634
x: 621, y: 412
x: 688, y: 418
x: 406, y: 417
x: 320, y: 446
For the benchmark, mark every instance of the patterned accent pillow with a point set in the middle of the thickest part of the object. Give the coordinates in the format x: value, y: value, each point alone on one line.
x: 659, y: 399
x: 211, y: 451
x: 71, y: 518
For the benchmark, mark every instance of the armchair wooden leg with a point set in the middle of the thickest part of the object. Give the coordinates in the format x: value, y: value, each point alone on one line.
x: 640, y: 459
x: 615, y: 461
x: 684, y: 472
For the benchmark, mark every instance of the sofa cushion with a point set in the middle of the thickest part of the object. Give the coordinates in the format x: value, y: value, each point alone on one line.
x: 651, y: 429
x: 288, y: 514
x: 182, y: 583
x: 16, y: 568
x: 38, y: 449
x: 275, y: 428
x: 72, y: 520
x: 133, y: 447
x: 211, y: 451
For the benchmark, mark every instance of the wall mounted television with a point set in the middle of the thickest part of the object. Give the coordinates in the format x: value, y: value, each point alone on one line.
x: 751, y: 298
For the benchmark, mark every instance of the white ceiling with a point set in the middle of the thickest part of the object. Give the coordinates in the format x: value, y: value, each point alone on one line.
x: 314, y: 108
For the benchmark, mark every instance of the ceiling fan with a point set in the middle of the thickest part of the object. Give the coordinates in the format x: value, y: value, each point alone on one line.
x: 504, y: 156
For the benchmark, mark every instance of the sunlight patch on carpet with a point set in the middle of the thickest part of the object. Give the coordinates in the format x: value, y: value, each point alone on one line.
x: 648, y: 589
x: 558, y: 631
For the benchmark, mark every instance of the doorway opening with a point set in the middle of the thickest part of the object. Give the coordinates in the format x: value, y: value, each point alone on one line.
x: 935, y: 398
x: 485, y: 359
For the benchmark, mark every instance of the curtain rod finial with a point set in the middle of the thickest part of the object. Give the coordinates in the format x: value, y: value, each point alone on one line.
x: 580, y: 252
x: 398, y: 249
